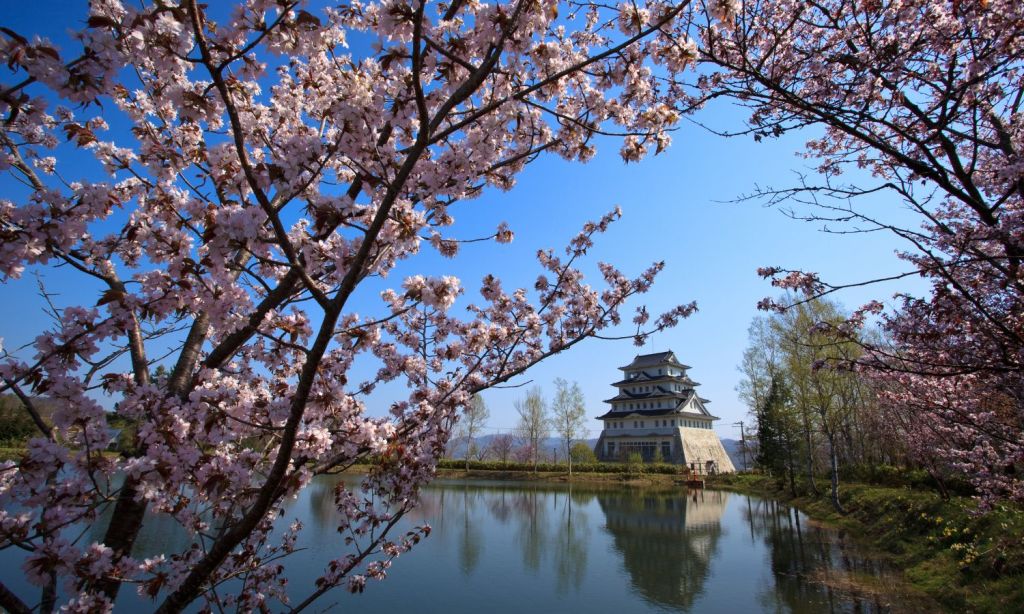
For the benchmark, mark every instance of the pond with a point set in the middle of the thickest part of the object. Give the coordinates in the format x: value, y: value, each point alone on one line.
x: 514, y: 547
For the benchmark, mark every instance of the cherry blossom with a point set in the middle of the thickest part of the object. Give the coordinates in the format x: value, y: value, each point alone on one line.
x: 268, y: 171
x: 917, y: 103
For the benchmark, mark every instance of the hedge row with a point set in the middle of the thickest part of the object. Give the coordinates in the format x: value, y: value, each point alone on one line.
x: 493, y: 465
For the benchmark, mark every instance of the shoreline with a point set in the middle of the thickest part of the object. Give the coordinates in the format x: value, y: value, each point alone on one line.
x: 944, y: 550
x: 561, y: 477
x: 944, y: 553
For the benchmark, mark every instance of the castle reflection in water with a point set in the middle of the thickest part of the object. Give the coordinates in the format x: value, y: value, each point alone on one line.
x: 667, y: 541
x: 662, y: 548
x: 593, y: 548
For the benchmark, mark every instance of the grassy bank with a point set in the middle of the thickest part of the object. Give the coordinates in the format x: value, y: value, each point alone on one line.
x: 963, y: 560
x: 522, y: 475
x: 638, y: 474
x: 8, y: 453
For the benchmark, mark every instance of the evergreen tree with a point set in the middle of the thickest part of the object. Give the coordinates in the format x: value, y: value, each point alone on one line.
x: 771, y: 431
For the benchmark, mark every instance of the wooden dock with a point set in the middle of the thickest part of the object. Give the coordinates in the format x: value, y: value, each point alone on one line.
x: 691, y: 482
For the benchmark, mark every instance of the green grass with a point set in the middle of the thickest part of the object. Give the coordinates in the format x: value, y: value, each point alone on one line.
x: 966, y: 561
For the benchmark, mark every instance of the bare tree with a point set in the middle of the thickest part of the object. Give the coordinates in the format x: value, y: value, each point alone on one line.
x: 568, y: 414
x: 501, y: 446
x: 473, y: 418
x: 534, y: 424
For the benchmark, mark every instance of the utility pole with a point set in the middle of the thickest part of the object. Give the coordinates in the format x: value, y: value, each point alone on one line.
x: 743, y: 442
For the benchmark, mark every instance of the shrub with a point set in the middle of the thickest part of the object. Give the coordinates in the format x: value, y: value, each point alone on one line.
x: 581, y: 453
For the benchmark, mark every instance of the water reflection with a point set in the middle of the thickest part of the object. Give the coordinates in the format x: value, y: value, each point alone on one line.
x: 513, y: 547
x: 549, y: 527
x: 667, y: 541
x: 817, y: 569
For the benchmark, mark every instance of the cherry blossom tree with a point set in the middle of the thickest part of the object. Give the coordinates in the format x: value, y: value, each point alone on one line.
x: 919, y: 103
x: 267, y: 171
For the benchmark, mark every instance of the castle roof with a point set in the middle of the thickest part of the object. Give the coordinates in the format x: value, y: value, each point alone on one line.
x: 659, y: 393
x: 641, y: 412
x: 670, y: 411
x: 645, y: 377
x: 642, y: 361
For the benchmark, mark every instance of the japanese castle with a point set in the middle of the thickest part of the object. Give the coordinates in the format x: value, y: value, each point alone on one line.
x: 657, y: 413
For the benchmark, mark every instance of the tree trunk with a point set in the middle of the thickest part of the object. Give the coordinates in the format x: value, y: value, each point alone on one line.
x: 568, y: 456
x: 810, y: 456
x: 834, y: 462
x: 790, y: 466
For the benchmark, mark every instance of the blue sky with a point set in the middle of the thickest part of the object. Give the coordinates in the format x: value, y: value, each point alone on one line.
x: 676, y: 208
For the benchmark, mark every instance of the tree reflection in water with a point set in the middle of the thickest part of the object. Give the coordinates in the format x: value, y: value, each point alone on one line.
x: 808, y: 561
x: 550, y: 525
x: 571, y: 546
x: 553, y: 547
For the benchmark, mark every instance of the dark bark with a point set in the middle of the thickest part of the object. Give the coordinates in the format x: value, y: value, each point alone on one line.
x: 809, y: 455
x: 834, y: 466
x: 10, y: 602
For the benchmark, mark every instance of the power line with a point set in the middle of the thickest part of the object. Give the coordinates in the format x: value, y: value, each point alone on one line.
x: 743, y: 442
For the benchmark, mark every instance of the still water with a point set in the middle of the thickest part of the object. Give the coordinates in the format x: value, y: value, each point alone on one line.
x: 501, y: 547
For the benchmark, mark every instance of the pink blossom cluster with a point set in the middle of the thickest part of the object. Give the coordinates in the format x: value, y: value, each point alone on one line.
x: 267, y: 173
x: 924, y: 100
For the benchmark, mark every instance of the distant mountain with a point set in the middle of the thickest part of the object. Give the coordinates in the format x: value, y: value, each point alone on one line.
x: 457, y: 446
x: 734, y: 448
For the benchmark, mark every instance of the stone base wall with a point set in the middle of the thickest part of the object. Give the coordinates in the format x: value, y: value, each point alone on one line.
x: 703, y: 445
x: 689, y: 445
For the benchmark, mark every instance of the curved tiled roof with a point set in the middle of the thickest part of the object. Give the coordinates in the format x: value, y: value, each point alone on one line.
x: 638, y: 412
x: 648, y: 378
x: 619, y: 415
x: 653, y: 360
x: 660, y: 393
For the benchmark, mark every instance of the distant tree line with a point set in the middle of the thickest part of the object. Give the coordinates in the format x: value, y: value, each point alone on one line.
x: 16, y: 424
x: 565, y: 415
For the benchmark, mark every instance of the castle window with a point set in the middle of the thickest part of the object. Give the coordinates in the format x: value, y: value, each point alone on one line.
x: 673, y: 423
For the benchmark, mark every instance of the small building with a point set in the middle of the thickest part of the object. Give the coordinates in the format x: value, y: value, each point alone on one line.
x: 658, y: 413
